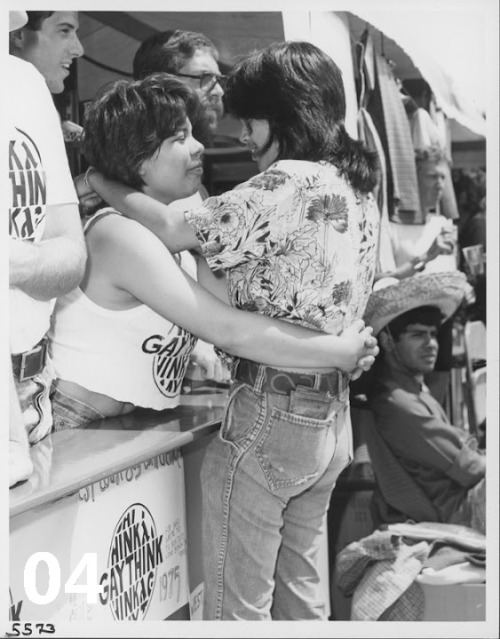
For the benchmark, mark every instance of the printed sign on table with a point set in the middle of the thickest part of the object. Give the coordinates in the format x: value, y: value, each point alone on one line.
x: 114, y: 551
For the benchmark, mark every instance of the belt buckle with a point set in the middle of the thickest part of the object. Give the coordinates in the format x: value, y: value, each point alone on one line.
x: 27, y: 360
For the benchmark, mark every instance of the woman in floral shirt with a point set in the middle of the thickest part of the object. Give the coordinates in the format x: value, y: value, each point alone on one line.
x: 296, y: 242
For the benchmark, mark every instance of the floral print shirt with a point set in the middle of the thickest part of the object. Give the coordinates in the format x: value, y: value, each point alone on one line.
x: 296, y: 242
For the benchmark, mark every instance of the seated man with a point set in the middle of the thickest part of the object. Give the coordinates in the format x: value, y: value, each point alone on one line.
x: 441, y: 458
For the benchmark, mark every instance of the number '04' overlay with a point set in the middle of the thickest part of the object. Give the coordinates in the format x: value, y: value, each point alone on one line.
x: 87, y: 564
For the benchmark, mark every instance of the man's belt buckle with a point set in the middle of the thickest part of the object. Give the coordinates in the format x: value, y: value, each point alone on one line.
x: 32, y: 362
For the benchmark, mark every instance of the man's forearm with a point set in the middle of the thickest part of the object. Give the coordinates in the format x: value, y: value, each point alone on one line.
x: 48, y: 269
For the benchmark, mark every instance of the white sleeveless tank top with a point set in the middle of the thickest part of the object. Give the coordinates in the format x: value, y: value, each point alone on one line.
x: 132, y: 355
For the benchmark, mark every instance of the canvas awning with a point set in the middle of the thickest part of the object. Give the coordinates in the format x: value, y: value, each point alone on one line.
x: 432, y: 41
x: 406, y: 35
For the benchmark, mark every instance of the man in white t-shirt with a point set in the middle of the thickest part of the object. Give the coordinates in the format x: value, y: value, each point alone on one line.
x: 47, y: 250
x: 49, y: 40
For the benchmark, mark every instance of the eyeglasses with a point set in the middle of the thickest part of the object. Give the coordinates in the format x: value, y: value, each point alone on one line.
x: 207, y: 80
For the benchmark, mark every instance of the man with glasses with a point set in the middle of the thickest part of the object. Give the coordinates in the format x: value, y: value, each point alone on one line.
x: 441, y: 459
x: 192, y: 57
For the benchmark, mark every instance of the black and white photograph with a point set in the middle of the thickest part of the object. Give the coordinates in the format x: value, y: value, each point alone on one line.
x: 251, y: 313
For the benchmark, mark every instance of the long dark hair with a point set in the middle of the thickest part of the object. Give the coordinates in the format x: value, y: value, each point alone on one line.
x: 299, y: 90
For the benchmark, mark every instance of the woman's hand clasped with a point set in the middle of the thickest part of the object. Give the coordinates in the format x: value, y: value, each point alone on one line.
x: 209, y: 364
x: 361, y: 348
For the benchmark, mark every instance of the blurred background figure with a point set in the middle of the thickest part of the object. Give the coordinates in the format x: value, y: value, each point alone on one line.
x: 431, y: 246
x: 471, y: 196
x: 193, y: 58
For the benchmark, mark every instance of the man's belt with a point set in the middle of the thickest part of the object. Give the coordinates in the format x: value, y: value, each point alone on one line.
x: 28, y: 364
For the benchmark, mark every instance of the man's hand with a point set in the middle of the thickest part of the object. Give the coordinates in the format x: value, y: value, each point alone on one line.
x: 469, y: 294
x: 443, y: 244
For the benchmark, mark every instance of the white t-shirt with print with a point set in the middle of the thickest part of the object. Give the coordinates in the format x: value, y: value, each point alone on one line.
x: 39, y: 176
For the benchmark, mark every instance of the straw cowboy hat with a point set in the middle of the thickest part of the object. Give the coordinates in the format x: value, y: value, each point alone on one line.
x: 394, y: 297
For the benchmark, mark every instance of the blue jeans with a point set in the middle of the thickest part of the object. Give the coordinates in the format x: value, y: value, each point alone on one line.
x: 34, y: 401
x: 69, y: 412
x: 267, y: 480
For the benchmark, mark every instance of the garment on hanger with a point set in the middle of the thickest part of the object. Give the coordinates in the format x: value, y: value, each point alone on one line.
x: 368, y: 134
x: 424, y: 133
x: 389, y: 115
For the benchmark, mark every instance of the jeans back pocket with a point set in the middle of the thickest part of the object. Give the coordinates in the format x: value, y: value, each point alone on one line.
x: 296, y: 447
x: 241, y: 418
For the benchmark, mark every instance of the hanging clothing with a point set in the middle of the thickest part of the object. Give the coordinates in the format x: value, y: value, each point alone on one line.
x: 424, y: 133
x: 389, y: 115
x: 368, y: 134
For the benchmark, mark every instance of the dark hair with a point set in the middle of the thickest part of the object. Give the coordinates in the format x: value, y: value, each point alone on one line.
x: 128, y: 120
x: 299, y: 90
x: 470, y: 190
x: 427, y: 315
x: 35, y: 19
x: 167, y: 52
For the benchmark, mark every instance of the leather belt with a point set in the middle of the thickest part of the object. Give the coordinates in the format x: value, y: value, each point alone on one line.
x: 28, y: 364
x: 282, y: 382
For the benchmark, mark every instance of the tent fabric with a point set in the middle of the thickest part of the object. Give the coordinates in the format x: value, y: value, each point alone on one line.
x: 107, y: 38
x: 390, y: 117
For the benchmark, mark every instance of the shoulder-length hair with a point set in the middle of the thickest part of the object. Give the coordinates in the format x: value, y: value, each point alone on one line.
x: 299, y: 90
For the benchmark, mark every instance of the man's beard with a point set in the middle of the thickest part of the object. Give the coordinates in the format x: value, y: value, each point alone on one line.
x: 209, y: 114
